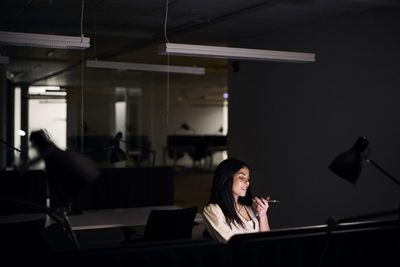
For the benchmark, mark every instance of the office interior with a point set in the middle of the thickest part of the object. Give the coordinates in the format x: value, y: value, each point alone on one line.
x: 286, y: 120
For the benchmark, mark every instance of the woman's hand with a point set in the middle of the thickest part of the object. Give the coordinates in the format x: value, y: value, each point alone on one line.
x: 261, y: 205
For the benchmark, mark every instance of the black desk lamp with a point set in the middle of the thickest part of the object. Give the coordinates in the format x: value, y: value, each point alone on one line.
x: 116, y: 153
x: 186, y: 127
x: 348, y: 164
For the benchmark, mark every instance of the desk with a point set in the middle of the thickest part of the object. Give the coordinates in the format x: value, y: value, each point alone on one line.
x: 100, y: 219
x: 113, y: 218
x: 106, y: 227
x: 197, y: 146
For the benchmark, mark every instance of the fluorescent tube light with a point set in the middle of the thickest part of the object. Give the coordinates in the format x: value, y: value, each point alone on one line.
x: 144, y: 67
x: 44, y: 40
x: 38, y: 90
x: 4, y: 60
x: 234, y: 53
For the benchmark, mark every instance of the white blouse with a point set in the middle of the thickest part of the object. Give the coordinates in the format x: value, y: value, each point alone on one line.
x: 218, y: 228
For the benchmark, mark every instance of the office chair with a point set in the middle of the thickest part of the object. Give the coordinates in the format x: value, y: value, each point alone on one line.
x: 164, y: 225
x: 170, y: 224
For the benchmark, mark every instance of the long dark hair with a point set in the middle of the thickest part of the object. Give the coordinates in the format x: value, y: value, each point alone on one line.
x: 221, y: 191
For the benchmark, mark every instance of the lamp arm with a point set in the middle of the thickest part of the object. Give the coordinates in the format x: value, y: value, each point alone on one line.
x: 370, y: 161
x: 13, y: 147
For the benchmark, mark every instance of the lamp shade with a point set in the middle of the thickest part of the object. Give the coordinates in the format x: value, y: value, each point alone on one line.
x: 348, y: 164
x: 117, y: 154
x: 185, y: 126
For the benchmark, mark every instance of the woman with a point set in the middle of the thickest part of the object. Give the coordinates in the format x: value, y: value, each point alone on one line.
x: 230, y: 210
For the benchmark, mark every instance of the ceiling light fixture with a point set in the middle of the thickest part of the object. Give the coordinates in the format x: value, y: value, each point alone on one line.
x: 44, y: 40
x: 144, y: 67
x: 4, y: 60
x: 234, y: 53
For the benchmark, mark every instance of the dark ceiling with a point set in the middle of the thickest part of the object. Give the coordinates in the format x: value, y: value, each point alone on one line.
x: 131, y: 30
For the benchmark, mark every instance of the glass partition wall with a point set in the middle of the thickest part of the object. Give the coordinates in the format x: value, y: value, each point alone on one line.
x: 161, y: 117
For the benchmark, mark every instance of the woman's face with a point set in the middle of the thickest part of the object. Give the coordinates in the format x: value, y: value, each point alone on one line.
x: 241, y: 181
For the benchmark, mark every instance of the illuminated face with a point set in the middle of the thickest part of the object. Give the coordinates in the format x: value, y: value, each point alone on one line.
x: 241, y: 181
